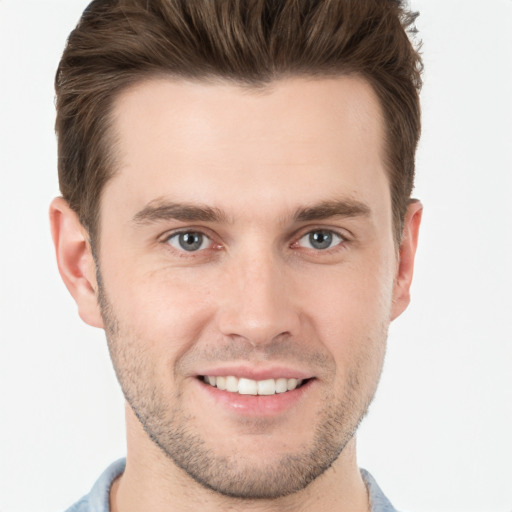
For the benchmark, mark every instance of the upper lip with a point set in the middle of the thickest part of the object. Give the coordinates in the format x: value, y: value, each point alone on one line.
x: 254, y: 373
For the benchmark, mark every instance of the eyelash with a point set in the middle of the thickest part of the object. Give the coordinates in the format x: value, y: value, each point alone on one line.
x: 340, y: 245
x: 183, y: 252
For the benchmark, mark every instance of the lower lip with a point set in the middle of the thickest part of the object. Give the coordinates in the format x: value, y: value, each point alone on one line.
x: 257, y: 405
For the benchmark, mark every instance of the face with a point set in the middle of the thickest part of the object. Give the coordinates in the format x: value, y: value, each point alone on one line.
x: 247, y: 274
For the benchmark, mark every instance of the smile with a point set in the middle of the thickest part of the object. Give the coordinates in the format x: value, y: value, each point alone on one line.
x: 245, y: 386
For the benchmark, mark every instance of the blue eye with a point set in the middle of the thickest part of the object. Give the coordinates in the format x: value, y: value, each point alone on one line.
x: 320, y: 239
x: 189, y: 241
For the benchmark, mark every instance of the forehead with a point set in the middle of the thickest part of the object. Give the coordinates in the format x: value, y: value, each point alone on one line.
x: 296, y: 140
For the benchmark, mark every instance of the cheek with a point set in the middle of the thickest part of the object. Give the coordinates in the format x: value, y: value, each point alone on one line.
x: 171, y: 310
x: 350, y: 312
x: 354, y: 293
x: 160, y: 311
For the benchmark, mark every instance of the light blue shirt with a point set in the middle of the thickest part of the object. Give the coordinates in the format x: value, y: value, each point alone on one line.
x: 98, y: 499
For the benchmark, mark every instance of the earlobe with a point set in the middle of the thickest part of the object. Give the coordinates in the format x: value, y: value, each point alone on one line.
x: 75, y: 260
x: 408, y: 245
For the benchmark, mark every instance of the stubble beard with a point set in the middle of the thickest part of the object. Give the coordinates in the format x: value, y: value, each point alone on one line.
x: 235, y: 476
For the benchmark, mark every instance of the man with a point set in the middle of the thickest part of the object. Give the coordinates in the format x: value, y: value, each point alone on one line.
x: 236, y: 214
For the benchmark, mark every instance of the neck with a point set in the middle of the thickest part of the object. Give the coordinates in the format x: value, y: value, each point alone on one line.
x: 151, y: 481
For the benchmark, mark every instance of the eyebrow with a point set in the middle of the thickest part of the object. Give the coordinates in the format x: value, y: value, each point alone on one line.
x: 159, y: 210
x: 163, y: 210
x: 329, y: 209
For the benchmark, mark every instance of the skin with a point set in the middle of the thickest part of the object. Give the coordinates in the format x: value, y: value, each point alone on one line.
x: 257, y: 295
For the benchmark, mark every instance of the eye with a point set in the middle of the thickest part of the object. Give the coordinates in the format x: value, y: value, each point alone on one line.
x: 320, y: 239
x: 190, y: 241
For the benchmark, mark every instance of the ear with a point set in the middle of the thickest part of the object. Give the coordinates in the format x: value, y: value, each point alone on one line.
x: 403, y: 279
x: 75, y: 261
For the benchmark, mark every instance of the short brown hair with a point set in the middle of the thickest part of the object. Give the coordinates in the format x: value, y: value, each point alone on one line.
x: 251, y: 42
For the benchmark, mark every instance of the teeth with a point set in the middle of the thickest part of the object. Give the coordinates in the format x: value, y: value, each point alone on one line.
x: 266, y: 387
x: 231, y: 384
x: 220, y: 382
x: 246, y: 386
x: 253, y: 387
x: 281, y: 385
x: 292, y: 384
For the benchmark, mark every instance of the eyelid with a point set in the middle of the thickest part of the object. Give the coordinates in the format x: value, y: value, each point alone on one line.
x: 343, y: 233
x: 185, y: 229
x: 205, y: 242
x: 189, y: 229
x: 334, y: 235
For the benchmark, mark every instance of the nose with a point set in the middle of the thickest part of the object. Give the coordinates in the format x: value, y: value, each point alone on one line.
x: 257, y: 302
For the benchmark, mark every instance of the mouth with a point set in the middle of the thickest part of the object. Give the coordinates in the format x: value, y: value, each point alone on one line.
x: 244, y: 386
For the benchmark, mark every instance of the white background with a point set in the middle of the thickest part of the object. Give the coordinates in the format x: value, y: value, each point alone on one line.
x: 439, y: 435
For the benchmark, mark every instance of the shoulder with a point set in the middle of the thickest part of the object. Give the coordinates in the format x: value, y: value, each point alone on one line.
x: 80, y: 506
x: 98, y: 499
x: 378, y: 501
